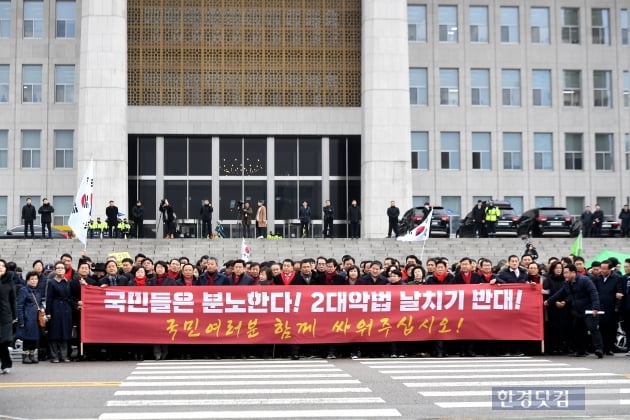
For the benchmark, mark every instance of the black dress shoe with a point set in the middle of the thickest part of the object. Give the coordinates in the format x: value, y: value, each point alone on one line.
x: 609, y: 353
x: 599, y: 354
x: 575, y: 354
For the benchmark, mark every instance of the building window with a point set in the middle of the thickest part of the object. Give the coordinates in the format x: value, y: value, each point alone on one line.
x: 575, y: 205
x: 419, y: 150
x: 602, y: 88
x: 481, y: 158
x: 479, y: 24
x: 66, y: 18
x: 64, y: 149
x: 63, y: 208
x: 5, y: 19
x: 509, y: 25
x: 419, y: 200
x: 623, y: 17
x: 572, y: 90
x: 543, y: 151
x: 601, y: 26
x: 511, y: 87
x: 31, y: 149
x: 627, y: 144
x: 540, y: 25
x: 603, y: 151
x: 512, y: 151
x: 449, y: 87
x: 31, y: 84
x: 449, y: 156
x: 64, y: 84
x: 626, y: 88
x: 516, y: 201
x: 570, y: 25
x: 573, y: 160
x: 452, y: 204
x: 4, y: 83
x: 480, y: 87
x: 418, y: 94
x: 33, y: 19
x: 4, y: 149
x: 447, y: 16
x: 417, y: 23
x: 541, y: 92
x: 543, y: 201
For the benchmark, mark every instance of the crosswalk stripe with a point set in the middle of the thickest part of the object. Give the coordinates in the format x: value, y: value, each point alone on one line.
x: 236, y: 391
x: 524, y: 375
x: 469, y: 365
x: 488, y: 392
x: 157, y: 370
x: 545, y: 370
x: 468, y: 362
x: 244, y: 401
x: 255, y: 414
x: 237, y: 363
x: 250, y: 376
x: 241, y: 383
x: 488, y: 404
x: 492, y: 359
x: 563, y: 382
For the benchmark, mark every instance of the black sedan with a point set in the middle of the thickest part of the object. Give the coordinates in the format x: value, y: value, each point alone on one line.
x: 17, y: 232
x: 440, y: 221
x: 507, y: 225
x: 542, y: 221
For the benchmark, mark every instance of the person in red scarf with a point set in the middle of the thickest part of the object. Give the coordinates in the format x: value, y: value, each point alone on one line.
x: 187, y: 275
x: 288, y: 273
x: 466, y: 274
x: 174, y: 269
x: 579, y: 264
x: 440, y: 276
x: 533, y: 273
x: 140, y: 277
x: 485, y: 271
x: 332, y: 275
x: 239, y: 277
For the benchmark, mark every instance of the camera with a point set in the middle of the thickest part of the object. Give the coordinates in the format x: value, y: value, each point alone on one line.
x: 162, y: 201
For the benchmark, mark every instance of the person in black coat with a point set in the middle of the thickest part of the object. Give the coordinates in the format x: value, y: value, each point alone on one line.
x: 392, y: 215
x: 375, y: 277
x: 29, y: 302
x: 111, y: 212
x: 557, y: 320
x: 239, y: 277
x: 305, y: 218
x: 610, y: 288
x: 514, y: 272
x: 587, y: 222
x: 329, y: 216
x: 205, y: 214
x: 8, y: 316
x: 598, y: 220
x: 305, y: 276
x: 584, y: 309
x: 168, y: 215
x: 624, y: 216
x: 478, y: 215
x: 354, y: 219
x: 112, y: 278
x: 137, y: 215
x: 59, y: 306
x: 28, y: 217
x: 46, y: 210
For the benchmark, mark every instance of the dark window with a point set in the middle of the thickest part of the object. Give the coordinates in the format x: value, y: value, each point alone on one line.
x: 310, y: 157
x: 175, y: 192
x: 230, y: 193
x: 230, y: 156
x: 311, y: 191
x: 286, y: 157
x: 354, y: 156
x: 200, y: 156
x: 286, y: 200
x: 197, y: 192
x: 175, y: 156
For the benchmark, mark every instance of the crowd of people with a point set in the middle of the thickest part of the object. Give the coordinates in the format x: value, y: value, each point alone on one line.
x: 580, y: 302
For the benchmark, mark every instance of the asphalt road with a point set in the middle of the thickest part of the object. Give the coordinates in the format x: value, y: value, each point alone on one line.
x: 409, y: 388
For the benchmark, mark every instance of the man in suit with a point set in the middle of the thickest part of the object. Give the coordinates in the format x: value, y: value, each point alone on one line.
x: 239, y: 277
x: 610, y: 287
x: 514, y: 273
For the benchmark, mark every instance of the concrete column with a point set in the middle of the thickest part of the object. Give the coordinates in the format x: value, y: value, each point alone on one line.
x: 102, y: 126
x: 386, y: 144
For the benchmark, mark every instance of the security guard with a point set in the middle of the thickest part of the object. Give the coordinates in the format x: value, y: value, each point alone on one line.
x: 123, y: 228
x: 492, y: 215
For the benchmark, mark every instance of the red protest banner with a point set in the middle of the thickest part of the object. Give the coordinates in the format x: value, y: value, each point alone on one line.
x: 310, y: 314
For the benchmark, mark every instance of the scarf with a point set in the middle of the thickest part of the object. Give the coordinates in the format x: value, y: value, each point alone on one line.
x: 159, y: 279
x: 441, y: 277
x: 141, y: 281
x: 287, y: 278
x: 466, y: 277
x: 172, y: 274
x: 487, y: 277
x: 330, y: 277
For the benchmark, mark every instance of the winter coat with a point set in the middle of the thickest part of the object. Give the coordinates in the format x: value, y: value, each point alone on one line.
x: 624, y: 216
x: 354, y: 214
x: 607, y: 295
x: 137, y: 214
x: 28, y: 213
x: 112, y: 214
x: 28, y: 328
x: 582, y: 293
x: 59, y: 305
x: 305, y: 214
x: 8, y: 310
x: 206, y: 212
x: 46, y: 211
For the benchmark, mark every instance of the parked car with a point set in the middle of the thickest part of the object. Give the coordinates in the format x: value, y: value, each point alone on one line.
x: 507, y: 224
x: 440, y: 221
x: 17, y: 232
x: 611, y: 226
x: 547, y: 220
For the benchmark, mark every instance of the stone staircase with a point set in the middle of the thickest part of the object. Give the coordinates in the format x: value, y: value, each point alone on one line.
x: 25, y: 251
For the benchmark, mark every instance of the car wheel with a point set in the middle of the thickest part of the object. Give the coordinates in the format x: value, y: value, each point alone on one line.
x: 620, y: 345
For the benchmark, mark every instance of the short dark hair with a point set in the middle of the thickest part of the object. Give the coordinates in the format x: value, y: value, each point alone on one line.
x: 571, y: 267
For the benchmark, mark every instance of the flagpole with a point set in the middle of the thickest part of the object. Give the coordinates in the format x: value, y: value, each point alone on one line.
x: 422, y: 251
